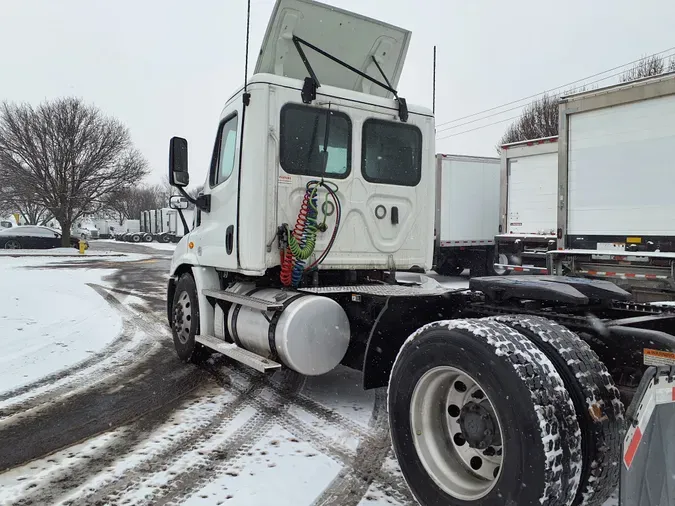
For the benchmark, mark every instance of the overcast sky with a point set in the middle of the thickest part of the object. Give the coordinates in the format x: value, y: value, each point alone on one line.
x: 166, y: 68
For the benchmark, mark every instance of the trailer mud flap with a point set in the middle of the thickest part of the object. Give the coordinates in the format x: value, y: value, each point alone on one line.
x: 648, y: 467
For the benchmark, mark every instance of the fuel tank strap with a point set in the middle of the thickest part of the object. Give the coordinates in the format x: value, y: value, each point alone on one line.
x: 271, y: 332
x: 235, y: 314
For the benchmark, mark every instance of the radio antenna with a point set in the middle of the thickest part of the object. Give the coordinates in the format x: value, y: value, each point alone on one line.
x: 248, y: 28
x: 433, y: 106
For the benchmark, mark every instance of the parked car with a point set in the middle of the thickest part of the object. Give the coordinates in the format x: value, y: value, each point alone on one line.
x: 33, y: 237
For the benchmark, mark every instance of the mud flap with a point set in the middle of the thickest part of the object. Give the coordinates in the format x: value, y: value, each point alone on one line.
x: 648, y: 467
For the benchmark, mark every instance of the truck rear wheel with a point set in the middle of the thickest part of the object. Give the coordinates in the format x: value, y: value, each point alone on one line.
x: 479, y: 416
x: 185, y: 321
x: 596, y: 400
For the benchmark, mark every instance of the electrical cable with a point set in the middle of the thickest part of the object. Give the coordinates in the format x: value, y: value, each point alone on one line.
x: 560, y: 87
x: 513, y: 109
x: 301, y: 241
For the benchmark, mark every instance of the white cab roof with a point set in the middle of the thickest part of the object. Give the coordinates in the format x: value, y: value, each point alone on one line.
x: 352, y: 38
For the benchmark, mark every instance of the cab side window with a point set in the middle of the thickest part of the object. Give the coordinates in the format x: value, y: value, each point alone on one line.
x: 222, y: 163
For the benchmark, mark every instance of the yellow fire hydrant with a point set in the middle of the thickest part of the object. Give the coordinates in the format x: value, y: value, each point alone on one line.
x: 83, y: 246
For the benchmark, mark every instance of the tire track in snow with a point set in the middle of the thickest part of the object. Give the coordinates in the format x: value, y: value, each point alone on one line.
x: 65, y: 479
x: 351, y: 484
x: 313, y: 407
x: 53, y: 388
x: 367, y: 463
x: 269, y: 414
x: 237, y: 445
x: 102, y: 404
x: 97, y: 410
x: 116, y: 345
x: 189, y: 440
x: 345, y: 456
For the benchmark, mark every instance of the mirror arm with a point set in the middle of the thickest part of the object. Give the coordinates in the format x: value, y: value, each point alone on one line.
x: 203, y: 202
x: 186, y: 230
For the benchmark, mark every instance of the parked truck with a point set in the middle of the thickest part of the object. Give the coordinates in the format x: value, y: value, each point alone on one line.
x: 467, y: 214
x: 512, y: 392
x: 163, y: 225
x: 616, y: 212
x: 528, y: 200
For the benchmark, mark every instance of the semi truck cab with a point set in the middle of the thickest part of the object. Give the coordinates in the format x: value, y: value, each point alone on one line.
x: 321, y: 188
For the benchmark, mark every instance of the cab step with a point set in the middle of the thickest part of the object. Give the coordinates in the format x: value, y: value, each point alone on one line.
x: 233, y: 351
x: 244, y: 300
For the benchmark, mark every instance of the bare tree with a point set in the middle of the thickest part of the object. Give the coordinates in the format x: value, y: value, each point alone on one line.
x: 539, y: 119
x: 131, y: 202
x: 67, y: 157
x: 31, y: 212
x: 648, y: 66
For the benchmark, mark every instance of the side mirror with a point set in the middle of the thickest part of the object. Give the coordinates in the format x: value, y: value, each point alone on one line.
x: 178, y: 202
x: 178, y: 162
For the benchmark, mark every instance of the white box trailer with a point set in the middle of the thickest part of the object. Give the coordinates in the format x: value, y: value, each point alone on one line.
x: 616, y: 217
x: 467, y: 213
x: 529, y: 180
x: 105, y: 228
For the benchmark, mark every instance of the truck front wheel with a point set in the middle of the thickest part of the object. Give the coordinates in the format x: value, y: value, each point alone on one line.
x: 185, y: 321
x: 479, y: 416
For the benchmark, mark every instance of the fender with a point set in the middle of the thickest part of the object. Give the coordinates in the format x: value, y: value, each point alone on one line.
x: 185, y: 260
x: 398, y: 318
x: 182, y: 255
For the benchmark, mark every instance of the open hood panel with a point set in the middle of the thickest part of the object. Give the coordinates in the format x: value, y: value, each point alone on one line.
x: 349, y: 37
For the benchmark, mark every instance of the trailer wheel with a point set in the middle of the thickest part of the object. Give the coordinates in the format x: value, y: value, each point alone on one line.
x: 596, y: 399
x: 185, y: 321
x: 479, y: 416
x: 165, y: 238
x: 147, y: 238
x: 136, y: 238
x: 501, y: 259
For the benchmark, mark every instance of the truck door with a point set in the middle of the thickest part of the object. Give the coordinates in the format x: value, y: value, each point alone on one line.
x: 216, y: 236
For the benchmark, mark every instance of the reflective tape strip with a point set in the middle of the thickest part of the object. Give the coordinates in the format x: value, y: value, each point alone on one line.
x: 622, y: 275
x: 662, y: 392
x: 464, y: 243
x: 520, y: 268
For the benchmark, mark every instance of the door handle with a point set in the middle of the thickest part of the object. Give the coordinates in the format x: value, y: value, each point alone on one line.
x: 394, y: 215
x: 229, y: 239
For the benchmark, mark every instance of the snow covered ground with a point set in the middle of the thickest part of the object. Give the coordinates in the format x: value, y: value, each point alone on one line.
x: 49, y: 321
x: 238, y: 438
x: 67, y: 252
x: 154, y: 245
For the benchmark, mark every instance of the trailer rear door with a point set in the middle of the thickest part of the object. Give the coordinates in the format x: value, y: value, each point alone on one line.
x: 469, y: 208
x: 621, y: 176
x: 532, y: 194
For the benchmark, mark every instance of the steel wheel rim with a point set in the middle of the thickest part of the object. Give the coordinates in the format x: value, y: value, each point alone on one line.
x: 436, y: 399
x: 12, y: 244
x: 182, y: 317
x: 502, y: 259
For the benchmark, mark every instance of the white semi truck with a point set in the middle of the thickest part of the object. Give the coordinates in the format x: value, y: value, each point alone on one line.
x: 528, y: 197
x: 163, y: 225
x: 318, y: 193
x: 616, y: 212
x: 467, y: 213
